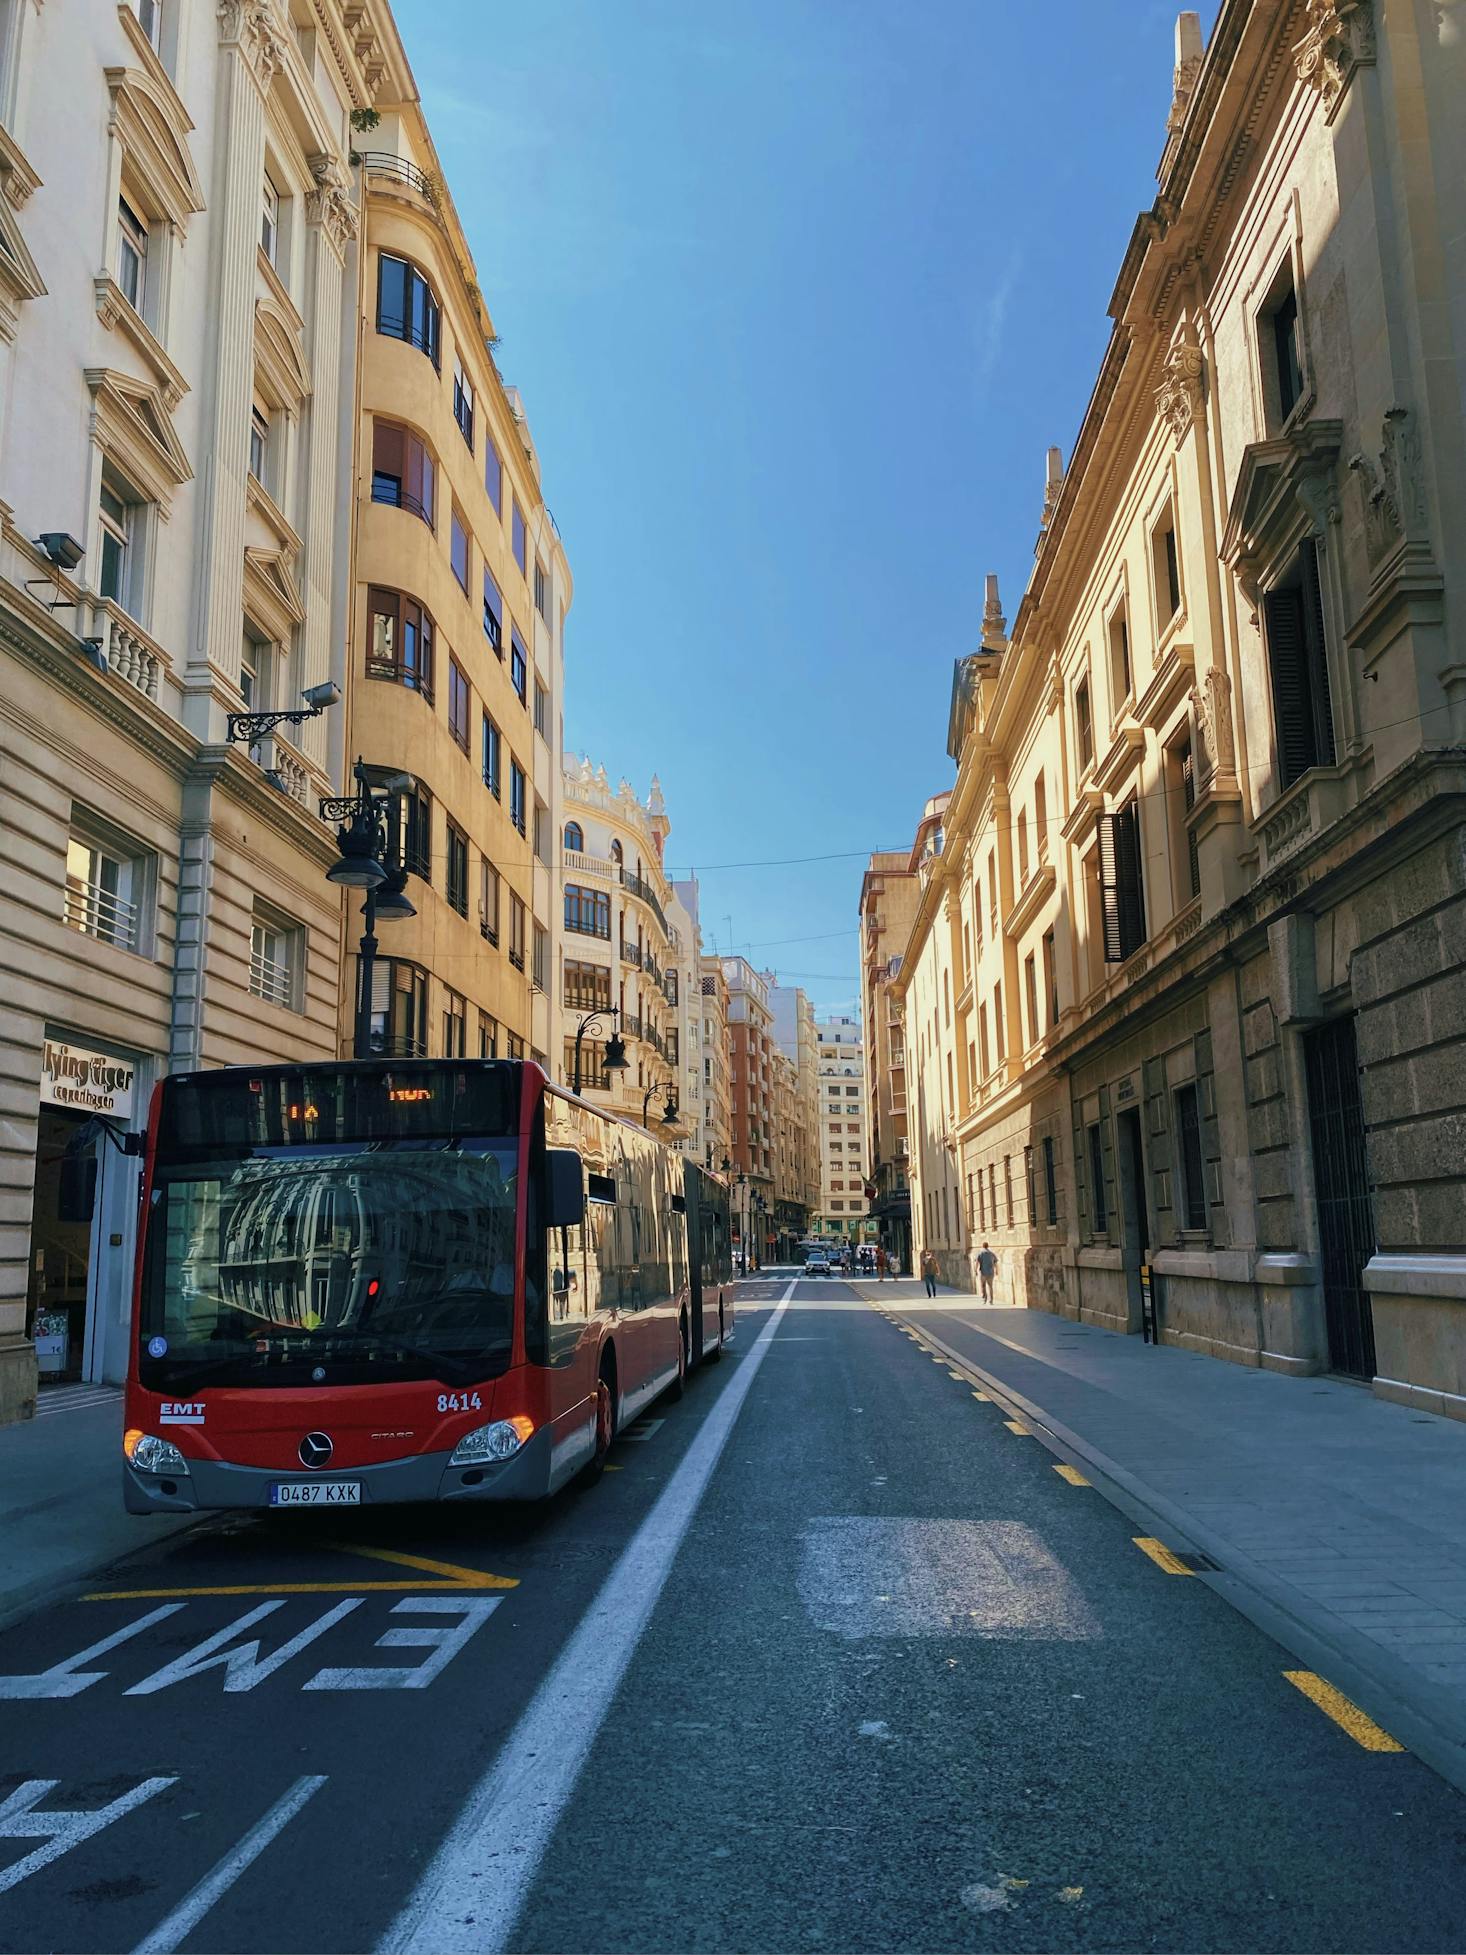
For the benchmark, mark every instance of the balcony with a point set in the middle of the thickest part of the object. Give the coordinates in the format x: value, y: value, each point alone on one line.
x: 380, y: 163
x: 578, y: 999
x: 578, y: 864
x: 640, y: 887
x: 631, y: 954
x: 630, y: 1026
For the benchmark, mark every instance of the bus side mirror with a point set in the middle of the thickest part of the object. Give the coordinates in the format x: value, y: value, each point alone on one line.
x: 564, y: 1188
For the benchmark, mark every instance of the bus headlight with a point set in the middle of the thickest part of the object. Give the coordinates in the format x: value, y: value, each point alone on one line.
x: 499, y: 1441
x: 152, y: 1455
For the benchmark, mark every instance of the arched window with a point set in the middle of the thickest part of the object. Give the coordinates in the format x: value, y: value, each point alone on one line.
x: 575, y: 837
x: 616, y: 852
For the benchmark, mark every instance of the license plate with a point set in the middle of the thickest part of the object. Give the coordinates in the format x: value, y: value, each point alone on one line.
x: 316, y: 1493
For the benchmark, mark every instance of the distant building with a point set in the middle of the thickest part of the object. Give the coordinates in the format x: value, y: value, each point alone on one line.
x: 842, y: 1129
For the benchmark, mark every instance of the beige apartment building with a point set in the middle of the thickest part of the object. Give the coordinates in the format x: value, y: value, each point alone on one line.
x: 461, y: 593
x: 796, y: 1117
x: 843, y: 1152
x: 1185, y: 983
x: 178, y: 270
x: 753, y: 1101
x: 716, y: 1065
x: 889, y: 892
x: 631, y: 959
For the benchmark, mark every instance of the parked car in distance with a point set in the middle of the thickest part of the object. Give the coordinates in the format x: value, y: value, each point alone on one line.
x: 817, y: 1263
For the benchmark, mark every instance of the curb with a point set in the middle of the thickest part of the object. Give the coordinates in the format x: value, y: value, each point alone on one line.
x: 62, y: 1582
x: 1389, y: 1691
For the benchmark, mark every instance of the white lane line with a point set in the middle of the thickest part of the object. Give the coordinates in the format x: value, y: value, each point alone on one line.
x: 470, y: 1897
x: 180, y: 1924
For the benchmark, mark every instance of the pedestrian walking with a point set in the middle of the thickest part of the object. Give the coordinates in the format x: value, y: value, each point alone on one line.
x: 881, y: 1263
x: 987, y: 1269
x: 929, y: 1271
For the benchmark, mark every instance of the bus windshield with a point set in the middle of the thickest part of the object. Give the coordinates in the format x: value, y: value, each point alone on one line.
x: 348, y: 1262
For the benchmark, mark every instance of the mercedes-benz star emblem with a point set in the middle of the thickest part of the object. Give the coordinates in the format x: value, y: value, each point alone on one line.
x: 315, y: 1450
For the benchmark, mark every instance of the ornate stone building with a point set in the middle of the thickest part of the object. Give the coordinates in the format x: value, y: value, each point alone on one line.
x: 1202, y: 899
x: 178, y: 267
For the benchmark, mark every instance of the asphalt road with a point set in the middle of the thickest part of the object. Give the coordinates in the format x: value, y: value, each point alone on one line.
x: 869, y: 1675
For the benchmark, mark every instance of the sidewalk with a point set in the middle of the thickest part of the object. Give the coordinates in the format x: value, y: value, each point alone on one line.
x: 61, y: 1517
x: 1337, y: 1520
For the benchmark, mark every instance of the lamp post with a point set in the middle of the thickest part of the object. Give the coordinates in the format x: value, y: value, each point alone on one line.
x: 362, y: 840
x: 669, y: 1114
x: 615, y: 1059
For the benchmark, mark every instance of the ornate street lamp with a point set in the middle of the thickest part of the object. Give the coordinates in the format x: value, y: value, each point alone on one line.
x: 669, y: 1115
x: 361, y: 864
x: 615, y: 1059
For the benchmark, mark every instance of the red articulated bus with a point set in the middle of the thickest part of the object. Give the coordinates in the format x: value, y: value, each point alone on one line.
x: 405, y: 1281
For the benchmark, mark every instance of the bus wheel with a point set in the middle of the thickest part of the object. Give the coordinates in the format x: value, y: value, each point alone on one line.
x: 679, y: 1383
x: 712, y: 1357
x: 605, y: 1429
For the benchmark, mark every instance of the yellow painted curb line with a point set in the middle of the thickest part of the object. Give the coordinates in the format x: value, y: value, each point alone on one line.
x: 1075, y: 1478
x: 1345, y: 1713
x: 1161, y: 1555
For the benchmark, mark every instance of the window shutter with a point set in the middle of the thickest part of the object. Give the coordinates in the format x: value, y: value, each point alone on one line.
x: 1292, y: 713
x: 1109, y: 868
x: 1188, y: 796
x: 1122, y: 898
x: 1317, y: 656
x: 387, y: 449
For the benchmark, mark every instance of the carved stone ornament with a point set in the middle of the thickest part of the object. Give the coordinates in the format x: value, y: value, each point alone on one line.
x: 1394, y: 502
x: 329, y: 204
x: 1211, y: 708
x: 252, y: 27
x: 1340, y: 38
x: 1183, y: 87
x: 1179, y: 397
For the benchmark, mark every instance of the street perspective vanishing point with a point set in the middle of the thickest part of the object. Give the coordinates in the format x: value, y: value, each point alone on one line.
x: 783, y: 1270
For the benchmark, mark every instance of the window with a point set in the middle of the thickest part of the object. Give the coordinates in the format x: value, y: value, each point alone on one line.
x: 1183, y: 800
x: 541, y: 711
x: 992, y: 1194
x: 1000, y: 1030
x: 132, y: 254
x: 104, y: 881
x: 259, y: 442
x: 575, y: 837
x: 1084, y: 723
x: 516, y: 931
x: 1166, y: 568
x: 121, y: 515
x: 1298, y: 661
x: 493, y: 613
x: 518, y: 812
x: 1030, y: 989
x: 1051, y: 1180
x: 400, y: 641
x: 494, y: 475
x: 274, y: 959
x: 618, y: 854
x: 403, y: 472
x: 588, y: 911
x: 458, y: 702
x: 1022, y: 847
x: 488, y: 1036
x: 399, y: 1027
x: 269, y: 219
x: 463, y: 403
x: 671, y: 988
x: 587, y: 986
x: 1029, y: 1187
x: 539, y: 968
x: 982, y: 1206
x: 513, y: 1046
x: 455, y: 882
x: 1122, y: 894
x: 410, y: 831
x: 455, y: 1026
x: 1008, y: 1186
x: 1041, y: 818
x: 150, y: 16
x: 256, y: 673
x: 518, y: 666
x: 488, y: 902
x: 541, y: 591
x: 518, y: 538
x: 982, y: 1038
x: 542, y: 831
x: 1121, y: 677
x: 1100, y: 1216
x: 491, y: 745
x: 1188, y: 1142
x: 1282, y: 331
x: 458, y: 548
x: 1051, y: 976
x: 406, y: 306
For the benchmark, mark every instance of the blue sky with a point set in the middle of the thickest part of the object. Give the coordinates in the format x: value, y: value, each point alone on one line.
x: 797, y: 293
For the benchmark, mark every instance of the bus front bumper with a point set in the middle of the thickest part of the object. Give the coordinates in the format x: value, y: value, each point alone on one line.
x: 211, y: 1484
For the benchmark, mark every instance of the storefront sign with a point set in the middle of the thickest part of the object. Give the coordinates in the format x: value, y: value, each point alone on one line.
x: 92, y: 1082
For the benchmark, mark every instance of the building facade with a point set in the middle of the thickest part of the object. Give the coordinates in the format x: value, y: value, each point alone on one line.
x: 843, y: 1149
x: 1204, y: 871
x: 716, y: 1065
x: 753, y: 1095
x: 796, y: 1117
x: 889, y: 892
x: 461, y: 593
x: 178, y: 273
x: 624, y: 949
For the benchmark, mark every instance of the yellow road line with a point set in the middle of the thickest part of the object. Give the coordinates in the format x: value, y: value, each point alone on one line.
x: 276, y: 1588
x: 1346, y: 1714
x: 1161, y: 1555
x: 1017, y: 1425
x: 609, y: 1468
x: 1075, y: 1478
x: 463, y: 1577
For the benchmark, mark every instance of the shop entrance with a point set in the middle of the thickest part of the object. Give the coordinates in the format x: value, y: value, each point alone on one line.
x: 62, y: 1228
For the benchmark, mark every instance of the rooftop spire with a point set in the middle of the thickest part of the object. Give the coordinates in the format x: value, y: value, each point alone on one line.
x: 994, y: 624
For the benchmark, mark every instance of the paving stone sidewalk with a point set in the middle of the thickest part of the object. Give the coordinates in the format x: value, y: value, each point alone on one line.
x: 61, y: 1517
x: 1338, y: 1520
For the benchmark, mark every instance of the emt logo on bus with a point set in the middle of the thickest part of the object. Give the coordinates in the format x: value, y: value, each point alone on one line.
x: 408, y: 1095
